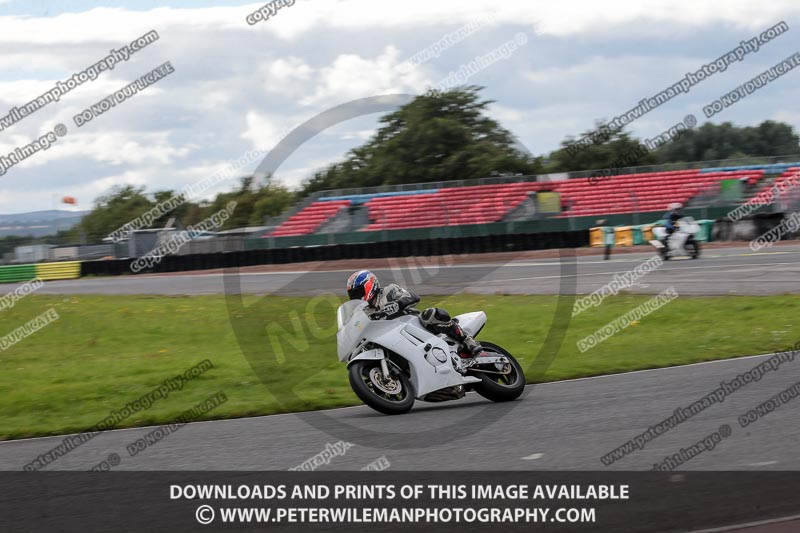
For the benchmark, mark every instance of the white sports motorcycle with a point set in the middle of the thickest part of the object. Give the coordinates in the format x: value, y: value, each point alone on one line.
x: 393, y: 362
x: 681, y: 242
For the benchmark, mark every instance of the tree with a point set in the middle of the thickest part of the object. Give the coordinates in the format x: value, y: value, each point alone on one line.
x: 178, y: 212
x: 112, y: 211
x: 439, y: 136
x: 254, y: 202
x: 723, y: 141
x: 616, y: 149
x: 272, y: 200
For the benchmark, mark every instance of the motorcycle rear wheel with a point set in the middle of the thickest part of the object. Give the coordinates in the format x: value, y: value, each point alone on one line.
x: 499, y: 387
x: 394, y: 396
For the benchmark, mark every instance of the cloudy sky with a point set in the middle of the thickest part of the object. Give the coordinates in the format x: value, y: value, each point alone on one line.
x: 238, y: 87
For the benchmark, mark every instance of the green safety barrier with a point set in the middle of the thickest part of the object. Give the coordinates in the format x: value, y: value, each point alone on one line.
x: 16, y: 273
x: 638, y: 235
x: 706, y: 230
x: 43, y: 271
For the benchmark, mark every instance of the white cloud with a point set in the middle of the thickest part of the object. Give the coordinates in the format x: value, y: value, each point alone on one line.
x: 284, y: 74
x: 238, y: 87
x: 265, y: 130
x: 345, y: 79
x: 112, y: 147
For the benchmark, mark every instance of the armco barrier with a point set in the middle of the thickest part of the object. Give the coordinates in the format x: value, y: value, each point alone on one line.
x: 371, y: 250
x: 16, y: 273
x: 65, y: 270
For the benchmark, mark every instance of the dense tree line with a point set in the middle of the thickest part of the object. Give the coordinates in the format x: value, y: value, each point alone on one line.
x: 254, y: 203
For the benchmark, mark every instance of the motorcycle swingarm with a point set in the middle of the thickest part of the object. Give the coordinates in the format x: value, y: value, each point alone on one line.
x: 484, y: 360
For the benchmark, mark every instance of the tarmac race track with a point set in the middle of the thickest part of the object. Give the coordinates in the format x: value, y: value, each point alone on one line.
x: 564, y: 425
x: 718, y: 271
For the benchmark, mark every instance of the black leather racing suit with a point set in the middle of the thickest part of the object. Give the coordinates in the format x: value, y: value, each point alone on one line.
x: 393, y: 300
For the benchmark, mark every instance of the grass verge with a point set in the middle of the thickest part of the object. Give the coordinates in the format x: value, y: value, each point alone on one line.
x: 106, y: 351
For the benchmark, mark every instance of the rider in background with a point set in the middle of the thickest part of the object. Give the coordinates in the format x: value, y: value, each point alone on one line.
x: 670, y: 218
x: 392, y: 301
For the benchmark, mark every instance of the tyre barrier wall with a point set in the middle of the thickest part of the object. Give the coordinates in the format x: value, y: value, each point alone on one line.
x: 65, y: 270
x: 642, y: 234
x: 372, y: 250
x: 43, y: 271
x: 748, y: 228
x: 16, y: 273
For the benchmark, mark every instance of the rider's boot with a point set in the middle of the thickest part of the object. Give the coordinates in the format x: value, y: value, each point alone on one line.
x: 472, y: 347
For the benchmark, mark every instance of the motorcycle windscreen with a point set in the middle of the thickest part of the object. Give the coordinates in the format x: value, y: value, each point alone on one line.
x: 350, y: 327
x: 346, y: 311
x: 688, y: 225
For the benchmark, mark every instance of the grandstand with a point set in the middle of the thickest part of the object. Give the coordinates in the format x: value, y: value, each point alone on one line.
x: 765, y: 196
x: 488, y: 203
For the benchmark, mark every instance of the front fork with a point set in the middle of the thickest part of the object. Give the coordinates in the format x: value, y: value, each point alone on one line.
x: 385, y: 368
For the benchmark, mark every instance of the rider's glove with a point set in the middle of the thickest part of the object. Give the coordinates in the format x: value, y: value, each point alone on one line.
x: 391, y: 309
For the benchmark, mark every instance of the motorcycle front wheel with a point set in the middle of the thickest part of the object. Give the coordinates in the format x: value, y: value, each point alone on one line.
x: 499, y: 385
x: 693, y: 248
x: 391, y: 396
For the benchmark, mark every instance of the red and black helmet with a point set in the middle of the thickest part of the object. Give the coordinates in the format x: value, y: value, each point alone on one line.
x: 363, y: 285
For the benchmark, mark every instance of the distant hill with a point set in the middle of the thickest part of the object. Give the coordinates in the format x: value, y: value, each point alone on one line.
x: 38, y: 223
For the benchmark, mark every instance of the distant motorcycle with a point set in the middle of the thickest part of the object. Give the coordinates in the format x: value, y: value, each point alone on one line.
x: 392, y: 363
x: 682, y: 242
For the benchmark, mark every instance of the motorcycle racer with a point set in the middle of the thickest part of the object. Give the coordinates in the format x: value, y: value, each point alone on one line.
x: 670, y: 218
x: 392, y: 301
